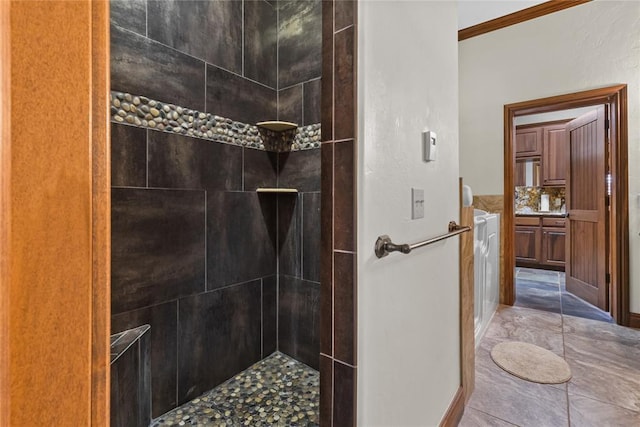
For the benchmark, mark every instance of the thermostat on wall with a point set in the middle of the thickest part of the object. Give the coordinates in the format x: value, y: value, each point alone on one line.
x: 429, y: 145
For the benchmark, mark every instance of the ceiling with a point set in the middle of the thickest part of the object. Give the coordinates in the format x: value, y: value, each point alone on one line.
x: 472, y: 12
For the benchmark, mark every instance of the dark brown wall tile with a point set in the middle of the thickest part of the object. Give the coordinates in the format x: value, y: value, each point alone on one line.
x: 326, y: 251
x: 344, y: 196
x: 300, y: 169
x: 129, y: 14
x: 327, y: 71
x: 157, y: 246
x: 344, y: 117
x: 269, y: 315
x: 345, y: 308
x: 260, y: 169
x: 311, y: 237
x: 125, y: 402
x: 261, y: 42
x: 299, y: 41
x: 344, y: 395
x: 298, y: 318
x: 290, y: 104
x: 128, y: 156
x: 345, y: 14
x: 289, y: 233
x: 236, y: 98
x: 312, y: 104
x: 326, y: 391
x: 241, y: 237
x: 218, y: 336
x: 209, y: 30
x: 177, y: 161
x: 144, y: 67
x: 163, y: 357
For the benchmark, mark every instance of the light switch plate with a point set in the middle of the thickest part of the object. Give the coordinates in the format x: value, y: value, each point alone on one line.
x: 417, y: 203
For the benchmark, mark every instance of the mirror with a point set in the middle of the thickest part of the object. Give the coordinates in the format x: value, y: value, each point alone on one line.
x: 528, y: 172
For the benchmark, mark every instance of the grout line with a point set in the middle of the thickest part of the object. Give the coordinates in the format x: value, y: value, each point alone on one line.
x: 340, y: 251
x: 206, y: 249
x: 342, y: 29
x: 147, y: 159
x: 242, y: 172
x: 262, y: 318
x: 177, y: 348
x: 243, y: 37
x: 205, y: 88
x: 146, y: 19
x: 301, y: 83
x: 301, y: 236
x: 344, y: 363
x: 302, y: 103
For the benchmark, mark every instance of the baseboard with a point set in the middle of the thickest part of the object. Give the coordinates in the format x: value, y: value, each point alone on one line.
x: 456, y: 409
x: 634, y: 320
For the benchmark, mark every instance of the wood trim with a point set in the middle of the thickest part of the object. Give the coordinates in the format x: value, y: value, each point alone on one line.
x: 5, y: 207
x: 634, y: 320
x: 616, y: 97
x: 101, y: 214
x: 54, y: 213
x: 507, y: 294
x: 518, y: 17
x: 455, y: 411
x: 467, y: 327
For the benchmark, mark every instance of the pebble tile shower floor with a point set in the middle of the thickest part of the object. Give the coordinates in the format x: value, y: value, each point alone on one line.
x: 277, y: 391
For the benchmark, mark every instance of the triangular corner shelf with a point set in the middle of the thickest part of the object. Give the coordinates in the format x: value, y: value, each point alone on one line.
x: 277, y: 126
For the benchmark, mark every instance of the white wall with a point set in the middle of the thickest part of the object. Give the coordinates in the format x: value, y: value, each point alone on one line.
x: 408, y: 327
x: 472, y: 12
x: 593, y: 45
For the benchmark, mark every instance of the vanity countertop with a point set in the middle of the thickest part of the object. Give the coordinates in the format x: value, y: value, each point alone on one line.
x: 553, y: 214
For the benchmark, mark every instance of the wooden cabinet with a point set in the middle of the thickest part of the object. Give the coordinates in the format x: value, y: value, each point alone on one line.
x: 528, y: 141
x: 553, y: 246
x: 545, y: 141
x: 540, y: 242
x: 527, y: 244
x: 554, y: 158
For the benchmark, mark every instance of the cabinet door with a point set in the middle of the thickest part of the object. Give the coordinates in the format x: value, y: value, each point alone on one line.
x: 529, y: 142
x: 554, y: 159
x: 553, y: 246
x: 527, y: 244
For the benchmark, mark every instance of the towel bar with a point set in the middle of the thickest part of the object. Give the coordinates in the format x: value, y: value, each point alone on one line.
x: 384, y: 245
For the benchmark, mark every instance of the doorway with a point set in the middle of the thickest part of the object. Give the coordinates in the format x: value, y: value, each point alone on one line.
x: 615, y: 236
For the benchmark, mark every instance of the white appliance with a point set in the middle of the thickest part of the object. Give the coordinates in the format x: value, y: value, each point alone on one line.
x: 486, y: 269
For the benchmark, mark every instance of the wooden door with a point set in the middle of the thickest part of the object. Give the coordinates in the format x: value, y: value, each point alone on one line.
x: 587, y: 257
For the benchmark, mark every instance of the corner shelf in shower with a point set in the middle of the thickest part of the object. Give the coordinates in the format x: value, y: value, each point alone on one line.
x: 277, y: 126
x: 277, y: 190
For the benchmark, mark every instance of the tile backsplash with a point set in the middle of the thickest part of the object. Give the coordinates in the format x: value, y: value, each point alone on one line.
x: 527, y: 199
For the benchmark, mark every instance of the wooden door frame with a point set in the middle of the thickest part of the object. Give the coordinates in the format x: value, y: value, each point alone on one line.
x: 93, y: 351
x: 616, y: 98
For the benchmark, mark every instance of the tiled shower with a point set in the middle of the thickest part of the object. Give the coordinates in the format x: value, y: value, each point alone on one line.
x: 223, y: 275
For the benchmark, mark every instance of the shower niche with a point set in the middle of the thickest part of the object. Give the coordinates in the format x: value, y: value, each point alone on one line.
x: 216, y: 229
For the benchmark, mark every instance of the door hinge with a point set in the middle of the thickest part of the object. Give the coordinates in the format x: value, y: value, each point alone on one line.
x: 607, y: 200
x: 608, y: 278
x: 606, y: 124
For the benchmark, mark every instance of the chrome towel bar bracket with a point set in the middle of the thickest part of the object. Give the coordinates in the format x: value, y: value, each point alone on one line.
x: 384, y: 245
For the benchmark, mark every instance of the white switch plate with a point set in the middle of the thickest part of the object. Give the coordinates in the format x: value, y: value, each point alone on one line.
x: 417, y: 203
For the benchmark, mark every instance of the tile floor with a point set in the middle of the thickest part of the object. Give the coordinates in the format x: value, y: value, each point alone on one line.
x: 277, y: 391
x: 604, y: 359
x: 545, y: 290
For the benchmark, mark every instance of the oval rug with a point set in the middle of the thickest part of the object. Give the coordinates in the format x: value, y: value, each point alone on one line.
x: 531, y: 363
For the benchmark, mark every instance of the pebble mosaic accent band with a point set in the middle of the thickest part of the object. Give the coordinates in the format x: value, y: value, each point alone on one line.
x: 144, y: 112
